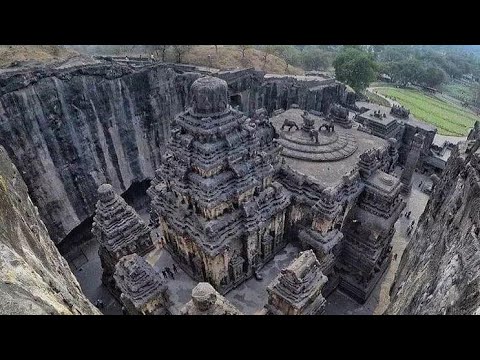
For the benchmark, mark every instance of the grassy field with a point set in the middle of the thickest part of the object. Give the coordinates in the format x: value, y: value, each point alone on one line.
x: 450, y: 119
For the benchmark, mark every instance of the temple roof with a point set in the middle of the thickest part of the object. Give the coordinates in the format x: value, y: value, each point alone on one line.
x: 138, y: 281
x: 115, y: 223
x: 301, y: 281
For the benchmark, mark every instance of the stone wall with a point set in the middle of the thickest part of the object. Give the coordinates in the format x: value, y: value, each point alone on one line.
x: 439, y: 270
x: 34, y: 277
x: 70, y: 130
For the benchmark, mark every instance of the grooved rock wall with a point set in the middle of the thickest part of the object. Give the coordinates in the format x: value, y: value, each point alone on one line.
x: 34, y: 277
x: 70, y: 130
x: 439, y: 272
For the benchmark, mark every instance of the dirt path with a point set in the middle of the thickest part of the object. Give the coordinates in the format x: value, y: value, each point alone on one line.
x: 390, y: 101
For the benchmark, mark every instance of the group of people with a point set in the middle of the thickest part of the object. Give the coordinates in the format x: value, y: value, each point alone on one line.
x: 168, y: 273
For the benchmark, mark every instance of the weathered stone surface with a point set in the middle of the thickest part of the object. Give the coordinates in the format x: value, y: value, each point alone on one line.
x: 411, y: 163
x: 119, y: 230
x: 70, y: 130
x: 143, y: 291
x: 439, y: 272
x: 220, y: 211
x: 207, y: 301
x: 34, y: 277
x: 298, y: 289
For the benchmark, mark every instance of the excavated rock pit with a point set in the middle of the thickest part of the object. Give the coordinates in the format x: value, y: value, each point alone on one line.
x: 70, y: 129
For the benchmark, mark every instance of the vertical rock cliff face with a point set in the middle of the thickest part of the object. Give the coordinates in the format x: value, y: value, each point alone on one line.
x: 70, y: 130
x: 34, y: 277
x: 282, y: 92
x: 439, y: 272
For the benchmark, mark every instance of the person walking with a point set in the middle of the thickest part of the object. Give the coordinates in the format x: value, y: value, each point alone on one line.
x: 99, y: 304
x: 174, y: 268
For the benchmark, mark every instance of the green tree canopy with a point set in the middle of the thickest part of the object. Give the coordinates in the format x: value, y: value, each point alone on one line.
x: 356, y: 68
x: 432, y: 76
x: 405, y: 71
x: 316, y: 59
x: 290, y: 54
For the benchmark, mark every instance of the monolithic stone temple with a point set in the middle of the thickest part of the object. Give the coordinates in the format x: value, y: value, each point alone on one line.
x: 119, y: 230
x: 232, y: 191
x: 298, y: 289
x: 220, y: 208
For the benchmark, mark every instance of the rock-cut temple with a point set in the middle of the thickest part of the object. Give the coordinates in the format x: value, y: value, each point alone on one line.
x: 233, y: 190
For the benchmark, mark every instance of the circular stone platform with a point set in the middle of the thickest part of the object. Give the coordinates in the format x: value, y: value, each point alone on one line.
x: 297, y: 144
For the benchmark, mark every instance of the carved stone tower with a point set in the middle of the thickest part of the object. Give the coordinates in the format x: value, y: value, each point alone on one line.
x: 298, y: 288
x: 411, y: 163
x: 215, y: 197
x: 119, y: 230
x: 143, y: 291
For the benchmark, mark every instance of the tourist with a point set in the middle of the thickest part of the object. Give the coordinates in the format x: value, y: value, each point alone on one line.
x: 174, y: 268
x: 394, y: 257
x: 164, y: 274
x: 99, y: 304
x: 169, y: 272
x: 124, y: 310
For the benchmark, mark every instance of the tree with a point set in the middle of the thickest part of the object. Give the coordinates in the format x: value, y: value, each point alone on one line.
x: 289, y: 54
x: 181, y: 50
x: 267, y: 50
x: 244, y: 48
x: 476, y: 95
x: 356, y: 68
x: 316, y: 59
x: 432, y: 76
x: 162, y: 49
x: 405, y: 71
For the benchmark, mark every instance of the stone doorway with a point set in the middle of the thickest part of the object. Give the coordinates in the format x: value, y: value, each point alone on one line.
x: 236, y: 100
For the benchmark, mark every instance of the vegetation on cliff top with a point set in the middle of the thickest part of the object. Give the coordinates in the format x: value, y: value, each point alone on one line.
x: 11, y: 54
x: 450, y: 119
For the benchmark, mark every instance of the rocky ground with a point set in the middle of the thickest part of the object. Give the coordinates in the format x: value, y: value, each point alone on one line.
x: 34, y: 277
x: 14, y: 56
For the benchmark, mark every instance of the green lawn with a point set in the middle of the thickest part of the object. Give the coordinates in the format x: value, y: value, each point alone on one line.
x: 450, y: 119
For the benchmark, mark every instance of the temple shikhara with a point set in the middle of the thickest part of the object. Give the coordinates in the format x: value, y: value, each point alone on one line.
x: 220, y: 208
x: 234, y: 191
